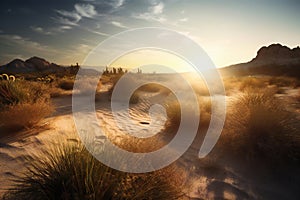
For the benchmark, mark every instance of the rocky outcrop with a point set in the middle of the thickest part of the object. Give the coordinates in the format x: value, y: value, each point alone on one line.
x: 275, y: 60
x: 277, y: 54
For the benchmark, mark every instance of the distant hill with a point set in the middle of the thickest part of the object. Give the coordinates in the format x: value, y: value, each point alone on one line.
x: 31, y: 65
x: 274, y: 60
x: 36, y: 65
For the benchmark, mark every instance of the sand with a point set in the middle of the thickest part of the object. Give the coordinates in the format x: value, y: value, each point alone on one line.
x: 221, y: 179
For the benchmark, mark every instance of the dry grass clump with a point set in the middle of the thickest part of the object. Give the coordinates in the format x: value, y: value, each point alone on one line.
x: 71, y: 172
x: 173, y: 109
x: 282, y: 81
x: 23, y: 104
x: 252, y: 82
x: 24, y: 115
x: 259, y: 126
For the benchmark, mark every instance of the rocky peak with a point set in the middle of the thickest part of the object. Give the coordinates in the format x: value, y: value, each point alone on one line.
x: 38, y: 63
x: 277, y: 52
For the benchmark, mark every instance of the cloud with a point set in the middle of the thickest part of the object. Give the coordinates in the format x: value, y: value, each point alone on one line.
x: 40, y: 30
x: 157, y: 9
x: 68, y: 17
x: 118, y: 24
x: 86, y: 10
x: 184, y: 19
x: 97, y: 32
x: 26, y: 45
x: 72, y: 18
x: 63, y: 28
x: 155, y: 13
x: 118, y: 3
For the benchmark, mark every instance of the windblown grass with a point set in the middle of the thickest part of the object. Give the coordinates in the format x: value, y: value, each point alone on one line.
x: 282, y: 81
x: 24, y: 115
x: 173, y: 109
x: 258, y: 126
x: 23, y: 104
x: 252, y: 82
x: 71, y: 172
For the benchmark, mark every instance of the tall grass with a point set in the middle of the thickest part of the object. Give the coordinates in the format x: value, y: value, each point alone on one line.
x: 252, y: 82
x: 259, y: 126
x: 173, y: 109
x: 71, y: 172
x: 282, y: 81
x: 23, y: 104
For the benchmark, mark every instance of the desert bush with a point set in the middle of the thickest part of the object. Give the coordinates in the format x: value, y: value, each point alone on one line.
x: 173, y: 109
x: 259, y: 126
x: 12, y: 93
x: 282, y: 81
x: 23, y: 104
x: 251, y: 82
x: 71, y: 172
x: 66, y: 84
x: 24, y: 115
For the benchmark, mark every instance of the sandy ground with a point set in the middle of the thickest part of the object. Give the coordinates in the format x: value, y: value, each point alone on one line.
x: 233, y: 181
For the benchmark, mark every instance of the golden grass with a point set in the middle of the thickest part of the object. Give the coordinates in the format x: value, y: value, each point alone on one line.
x: 282, y: 81
x: 252, y: 82
x: 23, y: 104
x: 259, y: 126
x: 24, y: 115
x: 71, y: 172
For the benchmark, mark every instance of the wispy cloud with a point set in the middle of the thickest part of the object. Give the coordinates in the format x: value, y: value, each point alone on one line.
x: 96, y: 32
x: 72, y: 18
x: 86, y: 10
x: 118, y: 24
x: 41, y: 30
x: 184, y: 19
x: 154, y: 13
x: 157, y: 9
x: 118, y: 3
x: 26, y: 45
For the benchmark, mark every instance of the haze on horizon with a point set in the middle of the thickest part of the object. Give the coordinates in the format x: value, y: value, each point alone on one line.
x: 66, y: 31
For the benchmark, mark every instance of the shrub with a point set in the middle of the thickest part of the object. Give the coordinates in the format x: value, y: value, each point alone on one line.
x: 11, y: 93
x: 259, y: 126
x: 251, y: 82
x: 283, y: 81
x: 23, y: 104
x: 174, y: 112
x: 71, y: 172
x: 66, y: 84
x: 24, y: 115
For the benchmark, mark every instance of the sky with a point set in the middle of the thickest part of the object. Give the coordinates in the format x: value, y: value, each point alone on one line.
x: 65, y: 31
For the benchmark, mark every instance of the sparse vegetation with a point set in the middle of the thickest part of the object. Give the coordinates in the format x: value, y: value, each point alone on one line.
x: 23, y: 104
x: 259, y: 126
x: 252, y: 82
x: 66, y: 84
x: 281, y: 81
x: 71, y: 172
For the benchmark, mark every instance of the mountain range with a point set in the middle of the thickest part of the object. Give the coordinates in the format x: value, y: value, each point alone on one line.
x: 275, y: 60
